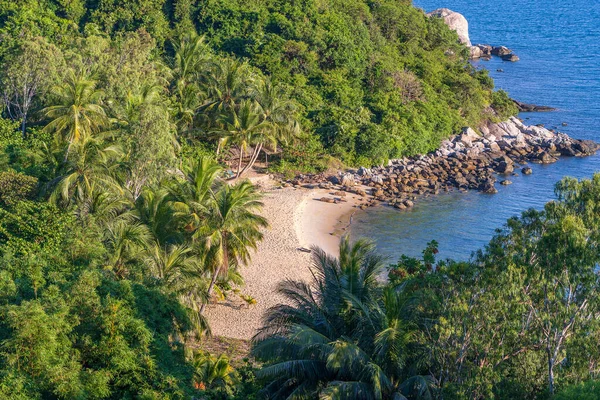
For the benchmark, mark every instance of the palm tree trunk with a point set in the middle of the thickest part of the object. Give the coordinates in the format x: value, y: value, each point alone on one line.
x: 223, y: 266
x: 239, y: 167
x: 218, y: 147
x: 257, y: 151
x: 213, y: 281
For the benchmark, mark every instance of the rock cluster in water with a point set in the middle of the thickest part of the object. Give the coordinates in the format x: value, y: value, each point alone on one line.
x: 458, y: 23
x: 487, y: 51
x: 469, y: 160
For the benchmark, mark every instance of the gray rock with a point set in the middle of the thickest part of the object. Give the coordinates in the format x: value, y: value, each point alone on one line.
x: 377, y: 179
x: 455, y: 21
x: 510, y: 57
x: 501, y: 51
x: 527, y: 171
x: 362, y: 171
x: 347, y: 180
x: 506, y: 182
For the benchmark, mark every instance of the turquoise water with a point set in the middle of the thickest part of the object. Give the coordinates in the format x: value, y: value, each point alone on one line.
x: 558, y: 43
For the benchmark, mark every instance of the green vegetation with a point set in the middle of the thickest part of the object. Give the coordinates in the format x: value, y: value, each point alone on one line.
x: 127, y: 128
x: 520, y: 321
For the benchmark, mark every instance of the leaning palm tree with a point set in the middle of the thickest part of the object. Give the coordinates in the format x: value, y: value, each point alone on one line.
x: 244, y: 126
x: 333, y: 339
x: 278, y: 114
x: 78, y: 112
x: 231, y: 228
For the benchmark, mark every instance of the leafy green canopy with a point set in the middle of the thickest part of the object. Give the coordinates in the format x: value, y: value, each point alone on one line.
x: 371, y: 80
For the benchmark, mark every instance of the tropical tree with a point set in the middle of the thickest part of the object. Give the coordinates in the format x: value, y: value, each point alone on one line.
x: 230, y: 229
x: 213, y: 373
x: 92, y: 168
x: 178, y: 271
x: 338, y: 337
x: 193, y: 194
x: 245, y: 126
x: 78, y: 112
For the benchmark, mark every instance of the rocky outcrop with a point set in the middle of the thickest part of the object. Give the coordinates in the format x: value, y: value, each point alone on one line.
x: 458, y: 23
x: 524, y: 107
x: 472, y: 160
x: 455, y: 21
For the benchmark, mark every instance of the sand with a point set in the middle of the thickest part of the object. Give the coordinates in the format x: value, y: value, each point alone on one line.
x: 297, y: 220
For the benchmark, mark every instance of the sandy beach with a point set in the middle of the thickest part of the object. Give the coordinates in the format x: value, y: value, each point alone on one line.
x: 297, y: 220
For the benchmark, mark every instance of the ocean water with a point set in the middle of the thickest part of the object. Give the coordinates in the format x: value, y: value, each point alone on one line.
x: 558, y: 43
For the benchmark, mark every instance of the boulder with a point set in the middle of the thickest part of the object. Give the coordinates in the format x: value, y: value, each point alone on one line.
x: 505, y: 167
x: 362, y: 171
x: 512, y: 57
x: 486, y: 49
x: 347, y: 180
x: 378, y: 179
x: 475, y: 52
x: 455, y: 21
x: 488, y: 187
x: 501, y: 51
x: 506, y: 182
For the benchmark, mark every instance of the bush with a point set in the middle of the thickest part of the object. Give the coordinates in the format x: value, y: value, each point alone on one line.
x: 15, y: 187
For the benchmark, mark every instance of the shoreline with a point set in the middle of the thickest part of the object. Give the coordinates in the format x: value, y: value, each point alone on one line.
x: 298, y: 219
x: 318, y: 210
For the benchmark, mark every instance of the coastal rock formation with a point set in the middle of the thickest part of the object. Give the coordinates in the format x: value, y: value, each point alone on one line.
x: 524, y: 107
x: 470, y: 160
x: 455, y: 21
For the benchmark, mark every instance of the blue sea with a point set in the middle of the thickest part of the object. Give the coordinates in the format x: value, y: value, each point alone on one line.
x: 558, y: 43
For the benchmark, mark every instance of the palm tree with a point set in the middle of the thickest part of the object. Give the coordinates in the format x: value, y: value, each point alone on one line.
x: 93, y: 168
x: 227, y: 83
x: 278, y: 116
x: 126, y: 240
x: 244, y: 126
x: 231, y: 229
x: 78, y: 113
x: 191, y: 56
x: 214, y: 373
x: 336, y: 338
x: 179, y: 271
x: 193, y: 195
x: 155, y: 209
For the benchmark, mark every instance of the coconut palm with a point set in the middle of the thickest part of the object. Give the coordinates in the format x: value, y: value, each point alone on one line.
x: 155, y: 209
x: 93, y: 168
x: 244, y: 126
x: 178, y: 270
x: 191, y: 56
x: 280, y: 124
x: 214, y: 373
x: 227, y: 83
x: 193, y: 194
x: 231, y: 229
x: 78, y: 112
x: 335, y: 338
x: 126, y: 240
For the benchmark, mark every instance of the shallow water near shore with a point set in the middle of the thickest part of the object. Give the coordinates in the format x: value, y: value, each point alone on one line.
x: 558, y: 43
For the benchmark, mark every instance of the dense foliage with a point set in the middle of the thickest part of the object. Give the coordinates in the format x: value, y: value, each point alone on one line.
x: 125, y: 128
x: 365, y: 80
x: 518, y: 321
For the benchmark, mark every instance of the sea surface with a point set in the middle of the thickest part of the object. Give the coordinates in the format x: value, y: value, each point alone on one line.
x: 559, y: 45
